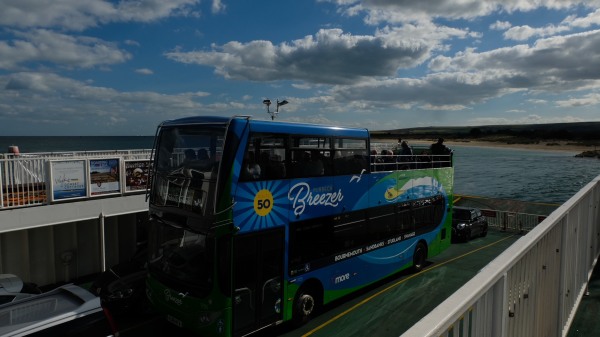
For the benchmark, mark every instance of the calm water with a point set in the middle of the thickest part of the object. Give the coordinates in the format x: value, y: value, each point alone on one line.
x: 542, y: 176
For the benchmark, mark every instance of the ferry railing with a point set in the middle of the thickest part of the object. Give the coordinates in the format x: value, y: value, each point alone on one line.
x: 393, y: 162
x: 535, y: 286
x: 24, y: 177
x: 512, y: 221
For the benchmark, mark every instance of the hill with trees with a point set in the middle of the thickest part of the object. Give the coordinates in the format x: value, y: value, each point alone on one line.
x: 584, y: 133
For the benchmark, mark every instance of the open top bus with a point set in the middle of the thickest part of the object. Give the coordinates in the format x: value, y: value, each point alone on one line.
x: 255, y: 223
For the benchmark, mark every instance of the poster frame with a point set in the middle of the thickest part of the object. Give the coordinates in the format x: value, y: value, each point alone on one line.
x: 126, y: 185
x: 95, y: 188
x: 78, y: 170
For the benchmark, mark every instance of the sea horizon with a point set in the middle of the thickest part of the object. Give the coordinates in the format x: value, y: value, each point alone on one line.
x: 36, y: 144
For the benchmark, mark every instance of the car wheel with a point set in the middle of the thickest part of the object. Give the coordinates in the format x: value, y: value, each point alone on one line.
x: 484, y: 232
x: 419, y: 257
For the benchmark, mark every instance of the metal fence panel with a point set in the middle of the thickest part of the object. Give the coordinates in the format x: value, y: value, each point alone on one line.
x: 534, y: 287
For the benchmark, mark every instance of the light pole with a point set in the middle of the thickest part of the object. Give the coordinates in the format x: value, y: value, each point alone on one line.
x: 267, y: 102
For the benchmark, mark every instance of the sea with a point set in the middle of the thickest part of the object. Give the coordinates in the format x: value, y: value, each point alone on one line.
x: 517, y: 174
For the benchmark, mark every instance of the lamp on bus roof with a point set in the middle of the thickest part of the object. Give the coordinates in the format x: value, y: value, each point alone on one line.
x: 267, y: 102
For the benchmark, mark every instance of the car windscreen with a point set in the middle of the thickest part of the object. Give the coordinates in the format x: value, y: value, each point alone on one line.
x: 462, y: 214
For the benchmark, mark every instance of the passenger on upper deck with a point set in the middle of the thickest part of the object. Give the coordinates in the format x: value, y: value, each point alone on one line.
x: 251, y: 170
x: 375, y: 161
x: 389, y: 159
x: 439, y: 148
x: 406, y: 155
x: 440, y: 153
x: 313, y: 164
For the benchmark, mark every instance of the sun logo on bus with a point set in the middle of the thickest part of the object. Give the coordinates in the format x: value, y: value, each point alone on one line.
x: 261, y: 205
x: 263, y: 202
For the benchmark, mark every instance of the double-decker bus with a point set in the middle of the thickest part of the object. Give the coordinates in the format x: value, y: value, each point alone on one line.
x: 254, y: 223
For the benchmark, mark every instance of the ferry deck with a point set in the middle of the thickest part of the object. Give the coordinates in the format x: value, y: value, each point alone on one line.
x: 87, y: 233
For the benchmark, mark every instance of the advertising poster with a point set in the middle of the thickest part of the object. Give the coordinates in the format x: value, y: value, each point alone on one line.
x: 136, y: 175
x: 68, y: 179
x: 104, y: 176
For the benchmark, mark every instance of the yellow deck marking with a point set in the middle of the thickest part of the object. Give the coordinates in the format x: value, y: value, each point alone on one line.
x: 359, y: 304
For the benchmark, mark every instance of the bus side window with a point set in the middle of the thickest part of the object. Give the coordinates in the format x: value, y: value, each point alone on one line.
x: 350, y: 156
x: 251, y: 170
x: 310, y: 240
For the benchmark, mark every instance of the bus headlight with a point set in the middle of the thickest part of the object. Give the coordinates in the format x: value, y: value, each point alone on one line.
x: 204, y: 318
x: 278, y: 306
x: 207, y: 317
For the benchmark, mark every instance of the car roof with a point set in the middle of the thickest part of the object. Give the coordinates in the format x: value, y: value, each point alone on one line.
x: 36, y: 313
x: 10, y: 283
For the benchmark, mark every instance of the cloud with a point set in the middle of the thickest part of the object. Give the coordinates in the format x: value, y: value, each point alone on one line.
x: 529, y: 119
x: 41, y: 45
x: 82, y: 14
x: 329, y: 57
x: 441, y: 91
x: 144, y: 71
x: 553, y: 65
x: 378, y: 11
x: 522, y: 33
x: 592, y: 19
x: 218, y: 6
x: 560, y: 63
x: 39, y: 99
x: 586, y: 100
x: 500, y: 25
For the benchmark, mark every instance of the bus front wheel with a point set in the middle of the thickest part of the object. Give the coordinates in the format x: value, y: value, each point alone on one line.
x: 419, y: 257
x: 305, y: 306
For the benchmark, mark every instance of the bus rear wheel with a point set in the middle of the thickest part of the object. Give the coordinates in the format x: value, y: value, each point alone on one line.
x: 419, y: 257
x: 305, y: 307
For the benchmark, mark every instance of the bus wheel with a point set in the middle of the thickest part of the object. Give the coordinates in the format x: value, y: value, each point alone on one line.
x: 419, y: 257
x: 304, y: 307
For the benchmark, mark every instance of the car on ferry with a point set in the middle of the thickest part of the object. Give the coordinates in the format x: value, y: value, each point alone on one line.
x: 65, y: 311
x: 468, y: 223
x: 12, y: 288
x: 122, y: 288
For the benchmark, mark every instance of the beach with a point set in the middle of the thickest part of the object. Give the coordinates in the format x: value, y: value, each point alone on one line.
x: 563, y: 146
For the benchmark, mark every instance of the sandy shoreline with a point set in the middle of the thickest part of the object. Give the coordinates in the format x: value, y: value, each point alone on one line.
x: 562, y: 146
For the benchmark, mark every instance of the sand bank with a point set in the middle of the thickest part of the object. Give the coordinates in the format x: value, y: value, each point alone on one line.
x: 564, y: 146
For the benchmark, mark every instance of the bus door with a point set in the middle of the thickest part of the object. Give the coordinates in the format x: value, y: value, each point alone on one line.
x: 258, y: 279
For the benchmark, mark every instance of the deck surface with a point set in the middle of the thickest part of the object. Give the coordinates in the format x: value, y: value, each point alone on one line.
x: 389, y: 307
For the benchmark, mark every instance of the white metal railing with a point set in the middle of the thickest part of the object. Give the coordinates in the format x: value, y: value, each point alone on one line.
x: 24, y: 177
x: 512, y: 221
x: 535, y: 286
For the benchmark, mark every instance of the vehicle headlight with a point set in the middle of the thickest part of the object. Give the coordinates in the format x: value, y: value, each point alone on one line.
x: 204, y: 318
x: 120, y: 294
x: 461, y: 226
x: 207, y: 317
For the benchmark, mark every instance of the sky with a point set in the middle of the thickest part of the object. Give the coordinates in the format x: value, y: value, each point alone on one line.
x: 96, y: 67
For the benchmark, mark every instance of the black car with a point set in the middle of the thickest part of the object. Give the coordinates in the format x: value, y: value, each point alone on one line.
x: 122, y: 287
x: 468, y: 223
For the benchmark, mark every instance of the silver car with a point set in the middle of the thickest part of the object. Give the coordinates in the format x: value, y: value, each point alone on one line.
x: 65, y: 311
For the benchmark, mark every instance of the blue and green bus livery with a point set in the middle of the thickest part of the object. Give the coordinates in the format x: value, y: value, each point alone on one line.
x: 255, y: 223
